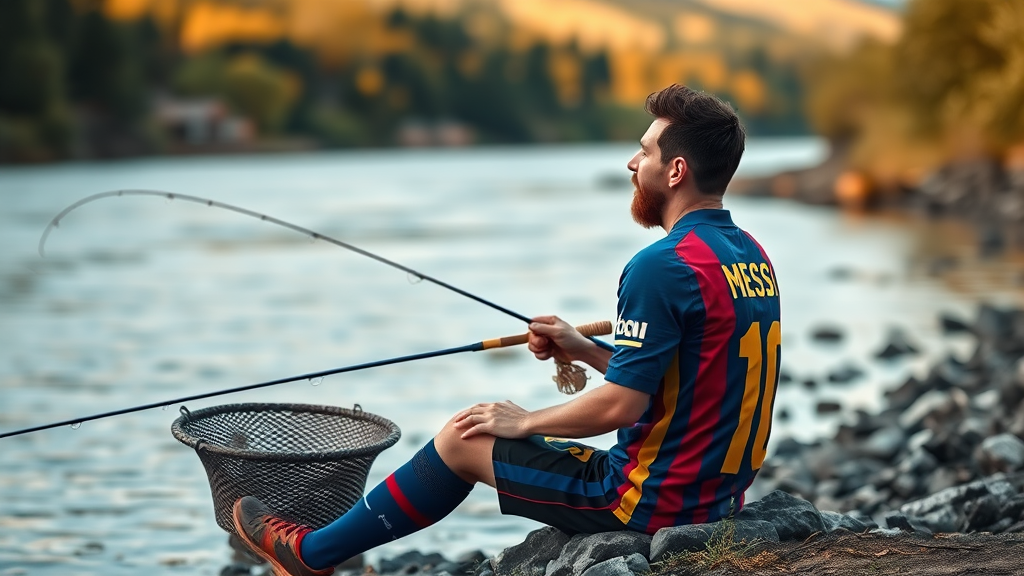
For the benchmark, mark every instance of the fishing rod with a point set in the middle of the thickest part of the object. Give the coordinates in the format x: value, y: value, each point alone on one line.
x: 593, y: 329
x: 300, y: 229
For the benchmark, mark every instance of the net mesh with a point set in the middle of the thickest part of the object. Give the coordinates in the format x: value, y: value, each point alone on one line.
x: 307, y: 463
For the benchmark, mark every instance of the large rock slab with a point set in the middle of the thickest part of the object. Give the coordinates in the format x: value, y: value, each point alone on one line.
x: 586, y: 550
x: 532, y: 556
x: 620, y: 566
x: 687, y: 538
x: 794, y: 518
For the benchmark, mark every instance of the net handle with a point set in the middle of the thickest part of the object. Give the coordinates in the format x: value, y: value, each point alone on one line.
x: 599, y: 328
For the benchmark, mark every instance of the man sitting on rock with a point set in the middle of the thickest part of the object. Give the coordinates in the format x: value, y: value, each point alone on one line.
x: 689, y: 387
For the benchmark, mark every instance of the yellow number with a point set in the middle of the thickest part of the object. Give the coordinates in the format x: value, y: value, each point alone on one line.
x: 750, y: 348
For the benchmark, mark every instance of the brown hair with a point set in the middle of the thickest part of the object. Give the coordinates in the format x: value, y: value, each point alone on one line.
x: 702, y: 129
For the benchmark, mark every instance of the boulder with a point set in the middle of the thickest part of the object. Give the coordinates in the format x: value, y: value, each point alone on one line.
x: 750, y: 531
x: 585, y: 550
x: 687, y: 538
x: 835, y: 521
x: 898, y: 344
x: 1002, y: 453
x: 532, y: 556
x: 793, y: 518
x: 411, y: 561
x: 620, y: 566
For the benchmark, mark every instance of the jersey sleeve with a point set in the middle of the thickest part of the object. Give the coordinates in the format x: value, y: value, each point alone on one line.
x: 654, y: 291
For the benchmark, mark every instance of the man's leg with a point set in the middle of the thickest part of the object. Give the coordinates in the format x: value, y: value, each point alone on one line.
x: 424, y: 490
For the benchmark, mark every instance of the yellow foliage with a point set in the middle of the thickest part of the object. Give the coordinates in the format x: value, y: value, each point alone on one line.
x: 369, y: 81
x: 566, y: 72
x: 261, y: 91
x: 695, y: 28
x: 207, y: 25
x: 749, y: 90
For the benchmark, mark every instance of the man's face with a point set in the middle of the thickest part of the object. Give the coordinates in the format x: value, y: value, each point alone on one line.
x: 650, y: 179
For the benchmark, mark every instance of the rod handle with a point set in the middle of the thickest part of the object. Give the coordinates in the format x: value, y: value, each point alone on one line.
x: 599, y: 328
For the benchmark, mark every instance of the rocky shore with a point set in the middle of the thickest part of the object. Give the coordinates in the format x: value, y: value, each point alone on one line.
x: 986, y: 192
x: 932, y: 484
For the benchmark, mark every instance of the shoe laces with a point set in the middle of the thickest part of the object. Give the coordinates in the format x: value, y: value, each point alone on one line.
x: 284, y: 528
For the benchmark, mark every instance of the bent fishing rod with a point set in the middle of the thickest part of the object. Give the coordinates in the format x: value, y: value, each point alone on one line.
x: 300, y: 229
x: 593, y: 329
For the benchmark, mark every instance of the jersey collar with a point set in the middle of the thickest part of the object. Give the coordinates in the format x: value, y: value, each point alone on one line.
x: 714, y: 217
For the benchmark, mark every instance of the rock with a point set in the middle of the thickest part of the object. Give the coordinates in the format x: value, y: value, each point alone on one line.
x: 532, y: 556
x: 982, y: 513
x: 793, y: 518
x: 835, y: 521
x: 411, y: 559
x: 621, y: 566
x: 236, y: 569
x: 845, y: 374
x: 898, y: 345
x: 828, y: 407
x: 951, y: 324
x: 897, y: 519
x: 862, y: 518
x: 1014, y: 508
x: 884, y: 443
x: 827, y: 334
x: 585, y: 550
x: 928, y: 404
x: 810, y: 383
x: 918, y: 462
x: 1002, y: 453
x: 750, y: 531
x: 686, y: 538
x: 888, y: 532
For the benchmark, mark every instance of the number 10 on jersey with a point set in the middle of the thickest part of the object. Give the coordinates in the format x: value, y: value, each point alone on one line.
x: 756, y: 352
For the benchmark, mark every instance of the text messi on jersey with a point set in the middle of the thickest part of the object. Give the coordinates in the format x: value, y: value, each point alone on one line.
x: 749, y: 280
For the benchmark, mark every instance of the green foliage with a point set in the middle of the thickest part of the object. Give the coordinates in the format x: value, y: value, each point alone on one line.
x: 260, y: 90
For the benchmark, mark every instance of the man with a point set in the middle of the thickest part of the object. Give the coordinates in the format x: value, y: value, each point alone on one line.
x: 690, y: 386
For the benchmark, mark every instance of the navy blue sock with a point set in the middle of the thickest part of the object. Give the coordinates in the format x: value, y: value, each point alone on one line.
x: 415, y: 496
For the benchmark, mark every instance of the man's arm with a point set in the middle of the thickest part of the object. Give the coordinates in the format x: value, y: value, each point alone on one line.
x: 604, y: 409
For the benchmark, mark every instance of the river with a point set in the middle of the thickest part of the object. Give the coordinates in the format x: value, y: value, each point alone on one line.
x: 142, y: 299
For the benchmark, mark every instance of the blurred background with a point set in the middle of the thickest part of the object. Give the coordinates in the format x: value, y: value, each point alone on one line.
x: 482, y: 142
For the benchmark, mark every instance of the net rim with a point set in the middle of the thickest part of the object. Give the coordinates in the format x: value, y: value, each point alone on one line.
x: 180, y: 434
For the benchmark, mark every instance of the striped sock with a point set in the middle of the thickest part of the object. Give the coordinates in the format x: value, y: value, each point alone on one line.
x: 415, y: 496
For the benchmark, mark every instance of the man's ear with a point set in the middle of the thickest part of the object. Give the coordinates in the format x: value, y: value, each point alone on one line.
x: 677, y: 171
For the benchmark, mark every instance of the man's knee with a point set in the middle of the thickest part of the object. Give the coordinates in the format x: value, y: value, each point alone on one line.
x: 470, y: 458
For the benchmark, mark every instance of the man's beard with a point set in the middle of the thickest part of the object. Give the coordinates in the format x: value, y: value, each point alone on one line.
x: 647, y: 206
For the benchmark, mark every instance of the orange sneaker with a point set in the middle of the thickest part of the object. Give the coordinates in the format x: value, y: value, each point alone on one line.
x: 275, y: 540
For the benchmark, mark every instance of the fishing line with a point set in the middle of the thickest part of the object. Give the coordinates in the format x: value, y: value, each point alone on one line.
x: 595, y: 328
x: 300, y: 229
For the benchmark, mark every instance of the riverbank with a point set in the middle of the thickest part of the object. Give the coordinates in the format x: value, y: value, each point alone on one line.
x: 932, y: 484
x: 987, y: 193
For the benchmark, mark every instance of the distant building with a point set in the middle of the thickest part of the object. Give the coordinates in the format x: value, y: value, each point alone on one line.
x: 201, y: 124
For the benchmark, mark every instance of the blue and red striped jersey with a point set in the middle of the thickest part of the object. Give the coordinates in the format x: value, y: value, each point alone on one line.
x: 698, y: 329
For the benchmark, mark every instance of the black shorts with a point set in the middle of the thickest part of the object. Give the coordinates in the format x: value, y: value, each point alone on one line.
x: 561, y: 483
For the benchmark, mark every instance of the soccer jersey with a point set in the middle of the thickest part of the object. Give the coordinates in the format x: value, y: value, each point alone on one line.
x: 698, y: 329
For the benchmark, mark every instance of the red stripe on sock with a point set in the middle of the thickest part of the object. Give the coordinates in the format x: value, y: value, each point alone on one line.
x: 404, y: 503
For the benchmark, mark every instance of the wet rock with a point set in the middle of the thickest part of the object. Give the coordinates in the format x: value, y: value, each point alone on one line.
x: 688, y: 538
x: 951, y: 324
x: 828, y: 407
x: 884, y: 443
x: 810, y: 383
x: 933, y: 403
x: 793, y: 518
x: 827, y: 334
x: 1002, y: 453
x: 845, y: 374
x: 898, y: 344
x: 585, y: 550
x: 532, y: 556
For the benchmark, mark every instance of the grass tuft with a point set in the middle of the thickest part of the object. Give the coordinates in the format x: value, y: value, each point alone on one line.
x: 722, y: 549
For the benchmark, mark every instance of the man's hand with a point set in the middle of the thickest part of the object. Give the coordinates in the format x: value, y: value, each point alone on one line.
x: 552, y: 337
x: 500, y: 419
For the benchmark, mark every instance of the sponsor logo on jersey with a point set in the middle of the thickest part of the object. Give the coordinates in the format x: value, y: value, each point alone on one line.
x: 751, y: 280
x: 630, y: 332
